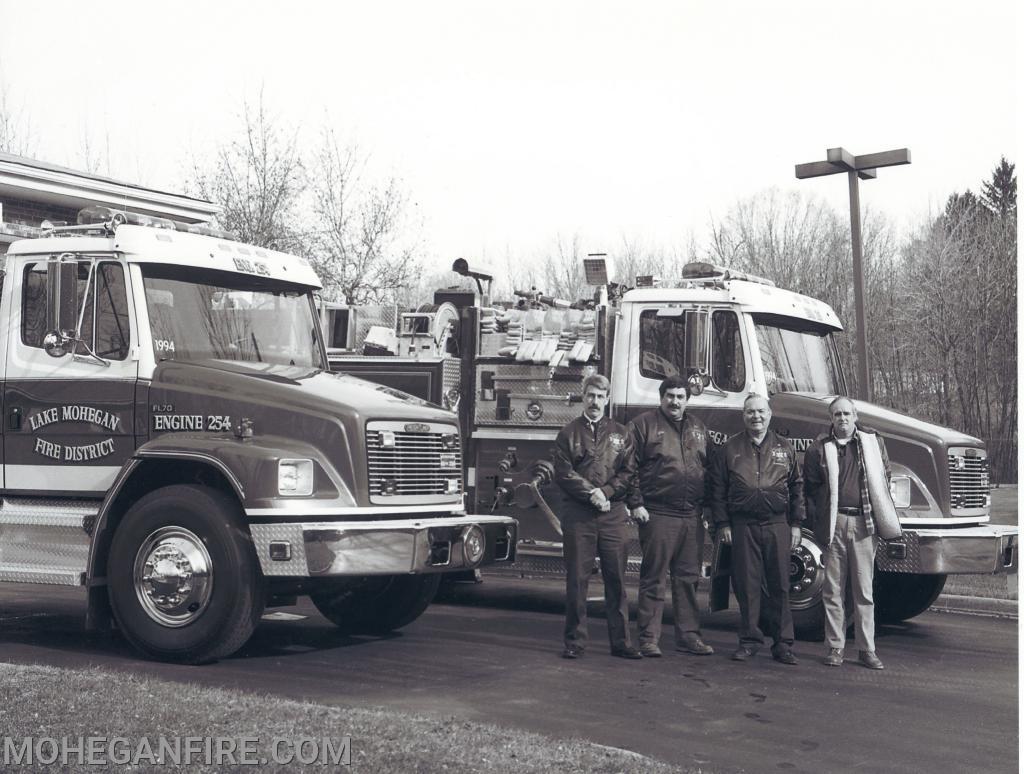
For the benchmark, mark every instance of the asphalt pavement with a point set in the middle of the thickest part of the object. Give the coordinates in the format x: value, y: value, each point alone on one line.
x: 946, y: 702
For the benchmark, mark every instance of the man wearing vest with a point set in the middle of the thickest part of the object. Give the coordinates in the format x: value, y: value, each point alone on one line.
x: 846, y: 480
x: 671, y: 447
x: 593, y: 461
x: 757, y: 499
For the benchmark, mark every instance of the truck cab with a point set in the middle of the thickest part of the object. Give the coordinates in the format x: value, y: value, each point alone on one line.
x: 174, y: 442
x: 742, y: 334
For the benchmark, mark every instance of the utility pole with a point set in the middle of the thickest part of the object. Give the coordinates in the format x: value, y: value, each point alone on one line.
x: 857, y: 168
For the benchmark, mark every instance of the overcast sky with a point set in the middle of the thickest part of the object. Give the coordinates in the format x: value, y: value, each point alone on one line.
x: 512, y: 122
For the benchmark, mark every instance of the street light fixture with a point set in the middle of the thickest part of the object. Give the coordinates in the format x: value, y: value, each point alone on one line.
x: 857, y: 168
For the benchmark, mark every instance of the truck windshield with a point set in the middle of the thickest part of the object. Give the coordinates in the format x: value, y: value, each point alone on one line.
x: 798, y: 355
x: 197, y: 315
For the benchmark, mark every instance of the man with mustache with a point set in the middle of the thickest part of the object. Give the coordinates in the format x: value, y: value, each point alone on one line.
x: 593, y: 461
x: 671, y: 447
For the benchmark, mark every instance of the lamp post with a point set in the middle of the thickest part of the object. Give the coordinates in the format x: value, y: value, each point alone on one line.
x: 857, y: 168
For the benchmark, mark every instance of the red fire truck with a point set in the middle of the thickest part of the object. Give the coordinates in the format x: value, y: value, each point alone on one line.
x: 174, y: 443
x: 514, y: 374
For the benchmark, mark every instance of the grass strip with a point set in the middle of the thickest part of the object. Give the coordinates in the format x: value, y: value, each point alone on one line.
x: 47, y: 702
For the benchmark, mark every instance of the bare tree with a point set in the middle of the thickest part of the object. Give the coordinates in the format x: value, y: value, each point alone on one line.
x: 562, y: 273
x: 17, y: 134
x: 635, y: 258
x: 93, y: 159
x: 257, y: 180
x: 364, y: 243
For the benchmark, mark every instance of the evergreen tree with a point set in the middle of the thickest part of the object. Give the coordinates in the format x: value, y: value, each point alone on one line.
x: 1000, y: 193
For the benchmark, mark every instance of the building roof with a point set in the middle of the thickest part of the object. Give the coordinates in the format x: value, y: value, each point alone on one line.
x: 40, y: 181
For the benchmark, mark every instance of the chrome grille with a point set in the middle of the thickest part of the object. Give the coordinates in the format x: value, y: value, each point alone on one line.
x: 419, y: 466
x: 968, y: 479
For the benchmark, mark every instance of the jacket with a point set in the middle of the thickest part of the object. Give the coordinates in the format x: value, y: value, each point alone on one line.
x: 671, y: 464
x: 584, y: 462
x: 761, y: 484
x: 816, y: 486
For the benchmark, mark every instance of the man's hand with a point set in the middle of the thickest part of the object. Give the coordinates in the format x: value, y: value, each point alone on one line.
x: 794, y: 537
x: 599, y: 501
x: 641, y: 515
x: 725, y: 534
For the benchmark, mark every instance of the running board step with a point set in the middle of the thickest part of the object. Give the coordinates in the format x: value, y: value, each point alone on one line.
x: 45, y: 540
x: 53, y: 576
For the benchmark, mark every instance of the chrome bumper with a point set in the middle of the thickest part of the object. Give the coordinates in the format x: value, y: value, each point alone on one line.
x: 985, y: 550
x: 398, y: 547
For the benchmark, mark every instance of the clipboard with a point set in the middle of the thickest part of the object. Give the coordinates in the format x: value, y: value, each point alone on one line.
x: 721, y: 575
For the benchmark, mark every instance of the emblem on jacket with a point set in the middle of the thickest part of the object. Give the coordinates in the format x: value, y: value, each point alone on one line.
x: 617, y: 441
x: 779, y: 456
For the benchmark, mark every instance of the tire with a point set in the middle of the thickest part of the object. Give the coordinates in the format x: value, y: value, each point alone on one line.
x: 195, y: 532
x: 806, y: 577
x: 376, y: 604
x: 900, y: 595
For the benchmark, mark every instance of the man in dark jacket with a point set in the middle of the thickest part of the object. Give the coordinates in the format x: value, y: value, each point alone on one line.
x: 671, y: 448
x: 594, y: 467
x: 757, y: 501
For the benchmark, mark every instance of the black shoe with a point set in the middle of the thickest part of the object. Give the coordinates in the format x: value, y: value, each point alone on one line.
x: 626, y: 652
x: 870, y: 660
x: 784, y: 656
x: 572, y: 651
x: 692, y: 643
x: 743, y: 652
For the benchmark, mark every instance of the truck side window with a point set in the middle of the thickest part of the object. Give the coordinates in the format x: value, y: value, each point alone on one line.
x: 106, y: 311
x: 105, y: 322
x: 33, y: 305
x: 662, y: 344
x: 728, y: 371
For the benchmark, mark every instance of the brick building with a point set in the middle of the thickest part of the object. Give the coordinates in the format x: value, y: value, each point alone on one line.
x: 32, y: 191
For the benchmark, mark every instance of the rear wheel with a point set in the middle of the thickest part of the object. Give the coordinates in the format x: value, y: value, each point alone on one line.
x: 376, y: 604
x: 901, y: 595
x: 183, y: 579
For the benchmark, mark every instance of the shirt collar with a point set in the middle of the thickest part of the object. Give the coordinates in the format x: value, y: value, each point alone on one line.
x: 843, y: 441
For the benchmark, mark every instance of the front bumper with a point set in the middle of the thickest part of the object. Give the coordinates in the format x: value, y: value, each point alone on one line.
x: 984, y: 550
x: 397, y: 547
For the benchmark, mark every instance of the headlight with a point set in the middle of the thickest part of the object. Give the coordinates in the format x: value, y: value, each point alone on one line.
x: 474, y: 543
x: 295, y: 477
x: 899, y: 488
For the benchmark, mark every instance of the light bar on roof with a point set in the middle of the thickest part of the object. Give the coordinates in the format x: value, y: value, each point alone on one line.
x: 107, y: 216
x: 701, y: 270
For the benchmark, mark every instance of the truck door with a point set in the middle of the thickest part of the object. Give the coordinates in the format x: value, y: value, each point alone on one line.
x: 69, y: 420
x: 5, y: 308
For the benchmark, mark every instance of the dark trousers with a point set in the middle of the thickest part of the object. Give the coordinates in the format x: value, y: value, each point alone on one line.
x: 760, y: 574
x: 584, y: 537
x: 673, y: 545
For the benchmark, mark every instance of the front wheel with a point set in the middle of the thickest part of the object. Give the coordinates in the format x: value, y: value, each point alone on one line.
x: 901, y: 595
x: 376, y: 604
x: 183, y: 579
x: 806, y: 578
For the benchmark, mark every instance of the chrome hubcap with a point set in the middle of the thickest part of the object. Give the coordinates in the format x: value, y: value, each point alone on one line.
x: 173, y: 576
x: 806, y: 575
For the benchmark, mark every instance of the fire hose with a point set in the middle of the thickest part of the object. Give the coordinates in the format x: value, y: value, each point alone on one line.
x: 527, y: 495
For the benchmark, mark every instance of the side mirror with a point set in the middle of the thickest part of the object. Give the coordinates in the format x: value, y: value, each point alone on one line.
x: 61, y: 304
x: 695, y: 350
